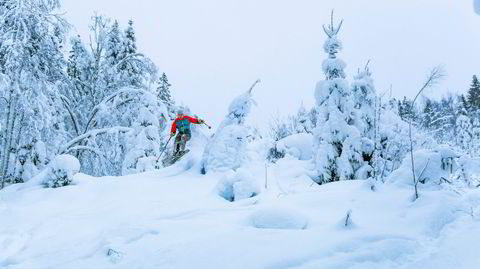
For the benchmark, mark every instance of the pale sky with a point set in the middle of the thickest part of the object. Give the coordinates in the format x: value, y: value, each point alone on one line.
x: 212, y: 50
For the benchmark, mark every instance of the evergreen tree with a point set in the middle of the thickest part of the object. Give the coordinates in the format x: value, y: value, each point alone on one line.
x: 363, y: 92
x: 115, y: 51
x: 428, y: 115
x: 464, y: 132
x: 130, y: 41
x: 164, y: 95
x: 475, y: 148
x: 303, y: 122
x: 144, y: 142
x: 364, y: 117
x: 338, y: 144
x: 404, y: 109
x: 473, y: 95
x: 227, y: 148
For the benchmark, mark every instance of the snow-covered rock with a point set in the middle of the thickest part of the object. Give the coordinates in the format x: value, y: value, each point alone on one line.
x: 278, y: 218
x: 297, y: 145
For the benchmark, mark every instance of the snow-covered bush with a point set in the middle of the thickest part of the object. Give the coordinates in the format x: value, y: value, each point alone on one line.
x: 468, y: 171
x: 464, y: 132
x: 431, y: 166
x: 227, y: 148
x: 61, y: 171
x: 278, y: 218
x: 297, y: 145
x: 237, y: 185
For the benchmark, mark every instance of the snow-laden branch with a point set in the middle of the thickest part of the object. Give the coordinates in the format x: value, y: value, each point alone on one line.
x: 86, y: 148
x: 93, y: 133
x: 66, y: 104
x: 109, y: 98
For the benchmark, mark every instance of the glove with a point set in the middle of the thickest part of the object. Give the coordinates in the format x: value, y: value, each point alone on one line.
x: 172, y: 134
x: 200, y: 121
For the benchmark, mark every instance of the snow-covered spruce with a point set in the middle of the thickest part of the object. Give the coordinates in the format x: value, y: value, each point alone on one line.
x: 338, y: 143
x: 61, y: 171
x: 227, y: 148
x: 143, y: 144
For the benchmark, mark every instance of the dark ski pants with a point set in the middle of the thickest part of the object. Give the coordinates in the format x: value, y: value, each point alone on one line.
x: 181, y: 140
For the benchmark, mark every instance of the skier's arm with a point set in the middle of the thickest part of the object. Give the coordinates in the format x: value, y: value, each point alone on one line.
x: 194, y: 120
x: 174, y: 127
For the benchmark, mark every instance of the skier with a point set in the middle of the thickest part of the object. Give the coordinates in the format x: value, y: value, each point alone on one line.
x: 182, y: 123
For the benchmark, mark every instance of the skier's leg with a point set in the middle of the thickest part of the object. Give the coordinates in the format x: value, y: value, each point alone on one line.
x: 177, y: 144
x: 183, y: 142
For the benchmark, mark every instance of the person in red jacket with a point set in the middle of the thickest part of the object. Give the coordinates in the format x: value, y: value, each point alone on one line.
x: 182, y: 123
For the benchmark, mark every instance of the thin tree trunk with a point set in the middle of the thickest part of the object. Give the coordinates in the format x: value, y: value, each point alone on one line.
x: 6, y: 139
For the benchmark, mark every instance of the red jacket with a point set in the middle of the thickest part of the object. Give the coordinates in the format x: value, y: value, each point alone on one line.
x: 190, y: 119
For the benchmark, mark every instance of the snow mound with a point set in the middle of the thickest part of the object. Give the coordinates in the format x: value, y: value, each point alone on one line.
x: 237, y: 186
x: 297, y: 145
x: 61, y: 171
x: 278, y: 218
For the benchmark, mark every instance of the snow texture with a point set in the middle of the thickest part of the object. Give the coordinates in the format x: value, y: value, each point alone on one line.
x: 172, y: 219
x: 278, y: 218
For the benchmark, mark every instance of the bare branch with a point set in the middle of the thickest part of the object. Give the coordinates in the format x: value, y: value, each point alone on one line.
x: 66, y: 104
x: 436, y: 74
x: 326, y: 31
x: 253, y: 85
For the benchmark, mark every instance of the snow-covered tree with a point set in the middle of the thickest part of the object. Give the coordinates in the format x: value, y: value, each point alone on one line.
x: 143, y: 143
x: 475, y: 148
x: 464, y: 132
x: 303, y: 121
x: 227, y: 148
x: 114, y: 50
x: 107, y: 81
x: 473, y: 95
x: 338, y: 150
x: 164, y: 95
x: 31, y: 74
x: 363, y: 91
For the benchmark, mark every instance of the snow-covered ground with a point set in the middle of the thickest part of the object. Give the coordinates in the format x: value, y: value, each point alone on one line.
x: 175, y: 218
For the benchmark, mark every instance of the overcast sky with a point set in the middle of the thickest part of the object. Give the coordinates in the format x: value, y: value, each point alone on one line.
x: 212, y: 50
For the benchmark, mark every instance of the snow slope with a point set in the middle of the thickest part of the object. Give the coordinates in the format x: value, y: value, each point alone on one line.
x: 174, y: 218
